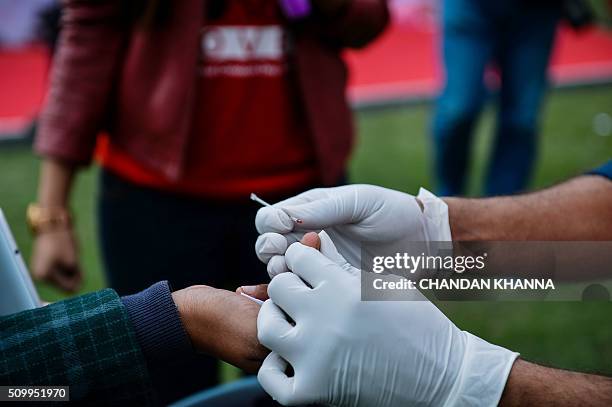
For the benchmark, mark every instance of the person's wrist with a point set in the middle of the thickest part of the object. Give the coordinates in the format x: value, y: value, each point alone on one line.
x: 42, y: 218
x: 195, y: 316
x: 183, y: 302
x: 160, y: 333
x: 516, y: 384
x: 454, y: 218
x: 158, y: 325
x: 464, y: 225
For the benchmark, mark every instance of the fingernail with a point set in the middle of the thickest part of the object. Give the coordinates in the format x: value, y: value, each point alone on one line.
x: 249, y: 289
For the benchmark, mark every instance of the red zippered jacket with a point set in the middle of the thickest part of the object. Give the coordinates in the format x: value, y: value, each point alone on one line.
x: 138, y: 84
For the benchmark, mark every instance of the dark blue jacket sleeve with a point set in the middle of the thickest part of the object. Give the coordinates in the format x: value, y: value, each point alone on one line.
x: 605, y: 170
x: 157, y: 324
x: 86, y: 343
x: 160, y: 334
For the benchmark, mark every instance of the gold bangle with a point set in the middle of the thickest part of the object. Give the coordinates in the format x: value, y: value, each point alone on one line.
x: 40, y: 219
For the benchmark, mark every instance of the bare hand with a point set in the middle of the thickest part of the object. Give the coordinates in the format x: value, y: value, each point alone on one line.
x: 222, y: 324
x: 55, y: 259
x: 259, y: 291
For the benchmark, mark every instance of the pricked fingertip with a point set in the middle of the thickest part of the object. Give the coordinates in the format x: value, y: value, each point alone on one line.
x: 311, y: 239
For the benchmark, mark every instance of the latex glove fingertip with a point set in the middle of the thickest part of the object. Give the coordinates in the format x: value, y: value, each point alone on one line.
x: 272, y: 219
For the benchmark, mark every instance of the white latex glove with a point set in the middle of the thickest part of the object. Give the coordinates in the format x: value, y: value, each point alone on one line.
x: 348, y: 352
x: 350, y: 214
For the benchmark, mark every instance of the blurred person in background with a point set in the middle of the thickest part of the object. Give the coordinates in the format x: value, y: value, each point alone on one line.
x: 21, y: 21
x: 517, y: 36
x: 24, y: 25
x: 201, y: 103
x: 50, y: 24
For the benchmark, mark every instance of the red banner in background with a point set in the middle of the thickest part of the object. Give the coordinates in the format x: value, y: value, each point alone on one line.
x: 23, y: 81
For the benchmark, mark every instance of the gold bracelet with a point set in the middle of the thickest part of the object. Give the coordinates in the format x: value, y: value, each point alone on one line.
x: 40, y: 219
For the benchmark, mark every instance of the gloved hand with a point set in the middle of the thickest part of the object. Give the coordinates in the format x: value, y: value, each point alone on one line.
x: 349, y: 352
x: 350, y: 214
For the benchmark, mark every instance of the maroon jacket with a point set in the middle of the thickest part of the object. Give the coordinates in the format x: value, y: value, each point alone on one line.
x: 138, y: 83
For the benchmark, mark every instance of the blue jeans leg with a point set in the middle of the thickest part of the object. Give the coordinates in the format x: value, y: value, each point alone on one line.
x: 467, y: 48
x: 523, y: 59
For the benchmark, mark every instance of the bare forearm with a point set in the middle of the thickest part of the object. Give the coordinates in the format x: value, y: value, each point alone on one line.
x: 55, y: 183
x: 530, y: 384
x: 580, y: 209
x: 55, y: 256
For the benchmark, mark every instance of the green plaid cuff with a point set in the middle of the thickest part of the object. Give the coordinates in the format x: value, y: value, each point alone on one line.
x: 86, y: 343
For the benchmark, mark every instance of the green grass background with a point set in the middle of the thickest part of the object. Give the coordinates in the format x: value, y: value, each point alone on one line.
x: 393, y: 150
